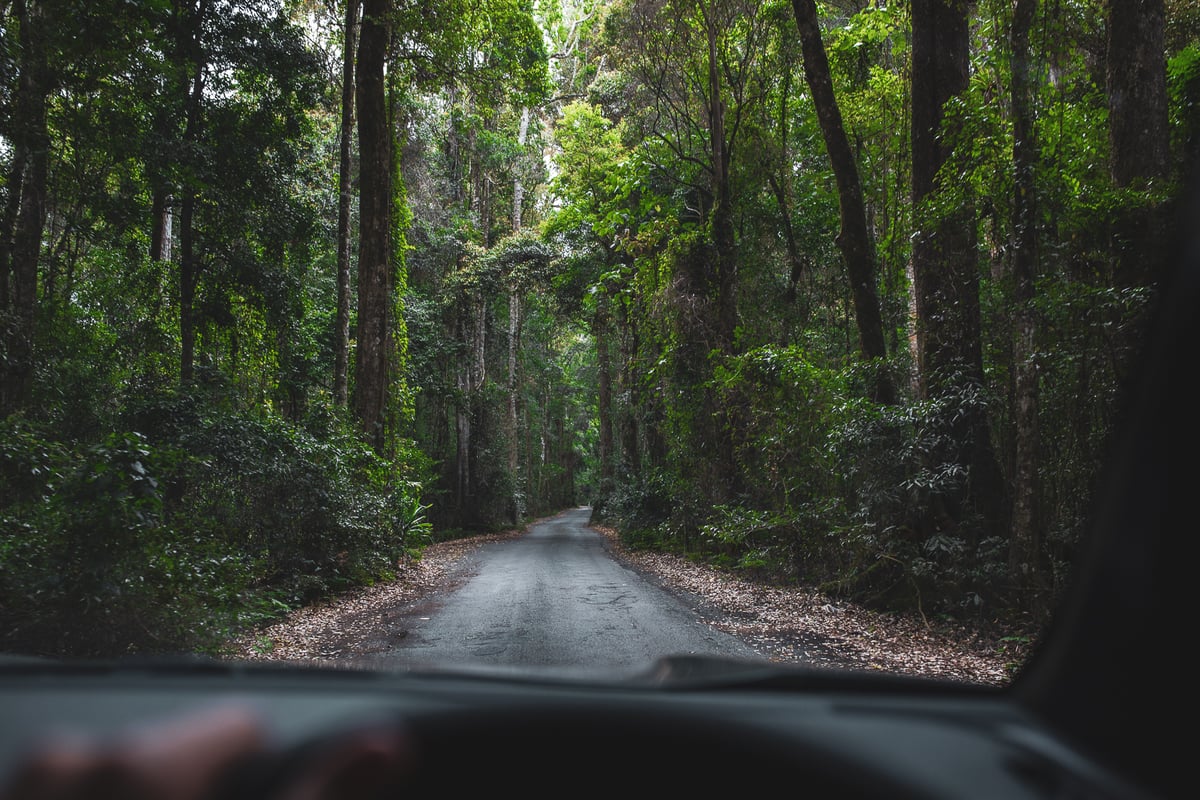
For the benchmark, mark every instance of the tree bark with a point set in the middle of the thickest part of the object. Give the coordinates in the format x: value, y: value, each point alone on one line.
x: 854, y: 239
x: 189, y: 265
x: 600, y: 332
x: 158, y: 224
x: 1136, y: 78
x: 374, y: 334
x: 341, y: 392
x: 514, y: 345
x: 32, y: 147
x: 1025, y: 544
x: 944, y: 268
x: 724, y: 242
x: 1138, y: 131
x: 945, y: 272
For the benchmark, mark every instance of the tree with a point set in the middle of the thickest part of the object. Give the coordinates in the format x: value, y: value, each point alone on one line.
x: 24, y: 216
x: 1136, y: 83
x: 1025, y: 548
x: 945, y: 270
x: 854, y: 240
x: 373, y: 367
x: 341, y: 345
x: 1139, y: 140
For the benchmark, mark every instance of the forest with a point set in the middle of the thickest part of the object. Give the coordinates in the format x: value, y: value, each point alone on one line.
x: 840, y: 294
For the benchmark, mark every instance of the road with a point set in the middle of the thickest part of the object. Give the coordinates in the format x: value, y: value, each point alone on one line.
x: 554, y: 600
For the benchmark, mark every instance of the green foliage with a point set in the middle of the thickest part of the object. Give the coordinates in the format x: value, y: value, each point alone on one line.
x: 168, y: 537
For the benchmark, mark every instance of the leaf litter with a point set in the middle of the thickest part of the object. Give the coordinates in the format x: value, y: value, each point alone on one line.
x: 784, y: 624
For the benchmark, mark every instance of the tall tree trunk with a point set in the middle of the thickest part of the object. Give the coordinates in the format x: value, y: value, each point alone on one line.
x: 189, y: 275
x: 514, y: 429
x: 341, y: 348
x: 518, y: 187
x: 728, y: 420
x: 374, y: 335
x: 158, y: 224
x: 854, y: 239
x: 192, y: 63
x: 462, y: 420
x: 16, y: 369
x: 1136, y: 79
x: 600, y: 332
x: 945, y: 272
x: 631, y: 387
x: 722, y: 213
x: 1138, y: 133
x: 189, y: 266
x: 8, y: 219
x: 1025, y: 545
x: 514, y: 345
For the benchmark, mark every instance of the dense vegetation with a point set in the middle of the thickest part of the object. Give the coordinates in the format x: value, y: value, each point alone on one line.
x: 843, y: 294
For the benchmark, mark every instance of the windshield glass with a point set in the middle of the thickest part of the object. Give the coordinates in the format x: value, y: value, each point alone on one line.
x: 571, y: 334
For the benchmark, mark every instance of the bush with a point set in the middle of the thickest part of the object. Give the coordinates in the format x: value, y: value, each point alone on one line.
x: 194, y: 520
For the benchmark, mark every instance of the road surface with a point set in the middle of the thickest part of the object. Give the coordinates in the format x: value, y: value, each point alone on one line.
x: 555, y: 601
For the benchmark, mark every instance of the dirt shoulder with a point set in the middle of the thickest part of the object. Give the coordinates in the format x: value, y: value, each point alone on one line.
x: 783, y: 624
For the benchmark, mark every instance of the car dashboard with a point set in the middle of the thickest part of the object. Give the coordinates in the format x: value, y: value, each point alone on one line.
x: 683, y: 726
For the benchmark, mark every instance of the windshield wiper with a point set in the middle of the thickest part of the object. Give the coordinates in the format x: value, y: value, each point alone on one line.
x: 693, y: 672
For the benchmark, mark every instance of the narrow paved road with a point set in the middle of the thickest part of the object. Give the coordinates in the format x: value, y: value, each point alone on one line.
x: 555, y: 600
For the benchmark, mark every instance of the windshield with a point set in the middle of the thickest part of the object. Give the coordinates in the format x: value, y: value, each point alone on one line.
x: 570, y: 335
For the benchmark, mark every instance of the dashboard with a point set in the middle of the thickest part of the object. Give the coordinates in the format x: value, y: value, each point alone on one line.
x: 818, y: 736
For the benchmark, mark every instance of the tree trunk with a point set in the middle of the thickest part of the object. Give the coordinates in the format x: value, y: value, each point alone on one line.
x: 189, y: 275
x: 158, y: 224
x: 1137, y: 91
x: 341, y: 350
x: 1138, y: 133
x: 724, y: 241
x: 728, y: 421
x: 600, y: 332
x: 1025, y: 545
x: 462, y: 422
x: 32, y: 148
x: 854, y: 239
x: 518, y: 187
x: 189, y: 266
x: 514, y: 345
x: 630, y: 387
x: 191, y: 59
x: 374, y: 334
x: 945, y: 272
x: 514, y: 438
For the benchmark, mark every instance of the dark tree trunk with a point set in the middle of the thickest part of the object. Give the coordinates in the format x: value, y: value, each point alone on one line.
x: 728, y: 420
x: 516, y: 290
x: 944, y: 268
x: 1139, y: 138
x: 189, y: 275
x: 8, y: 219
x: 631, y: 387
x: 945, y: 272
x: 600, y: 332
x: 854, y: 240
x: 32, y: 146
x: 189, y: 265
x: 341, y: 348
x: 192, y: 63
x: 374, y: 335
x: 722, y: 213
x: 1137, y: 91
x: 158, y: 224
x: 1025, y: 546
